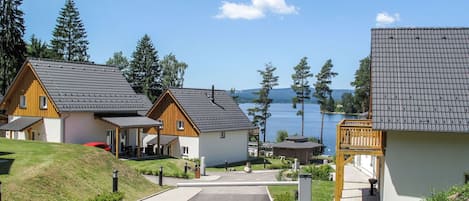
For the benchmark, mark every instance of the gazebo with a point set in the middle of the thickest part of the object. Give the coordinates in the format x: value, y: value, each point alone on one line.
x: 296, y: 147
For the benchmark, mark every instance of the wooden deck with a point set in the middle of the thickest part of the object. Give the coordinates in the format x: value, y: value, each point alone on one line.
x: 355, y: 137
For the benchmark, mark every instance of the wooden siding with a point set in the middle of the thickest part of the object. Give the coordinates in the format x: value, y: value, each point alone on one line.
x: 27, y: 84
x: 169, y: 112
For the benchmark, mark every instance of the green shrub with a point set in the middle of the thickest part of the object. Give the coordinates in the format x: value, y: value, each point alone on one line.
x: 279, y: 175
x: 320, y: 172
x: 455, y: 193
x: 287, y: 196
x: 293, y: 175
x: 117, y: 196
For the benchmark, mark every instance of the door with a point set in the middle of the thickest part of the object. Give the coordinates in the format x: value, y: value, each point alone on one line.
x: 110, y: 139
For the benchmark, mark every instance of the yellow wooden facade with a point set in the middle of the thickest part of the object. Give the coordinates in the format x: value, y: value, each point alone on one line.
x: 28, y: 84
x: 169, y: 112
x: 355, y: 137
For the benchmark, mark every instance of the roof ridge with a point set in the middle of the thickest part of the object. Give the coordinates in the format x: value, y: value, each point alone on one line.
x: 89, y: 63
x: 199, y: 89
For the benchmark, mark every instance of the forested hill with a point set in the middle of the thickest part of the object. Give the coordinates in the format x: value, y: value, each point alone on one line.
x: 284, y: 95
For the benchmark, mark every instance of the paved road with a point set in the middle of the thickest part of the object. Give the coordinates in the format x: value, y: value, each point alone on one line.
x: 247, y: 193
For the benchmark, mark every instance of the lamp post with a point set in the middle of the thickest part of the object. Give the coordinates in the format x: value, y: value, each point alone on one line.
x: 114, y: 181
x: 160, y: 176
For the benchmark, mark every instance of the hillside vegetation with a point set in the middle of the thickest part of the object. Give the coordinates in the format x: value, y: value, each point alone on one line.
x: 50, y: 171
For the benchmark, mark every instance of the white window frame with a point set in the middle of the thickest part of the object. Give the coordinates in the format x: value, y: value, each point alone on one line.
x: 43, y: 102
x: 180, y: 125
x: 185, y: 150
x: 222, y: 135
x: 23, y: 102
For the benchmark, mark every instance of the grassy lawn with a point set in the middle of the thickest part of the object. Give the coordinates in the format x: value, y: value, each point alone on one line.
x: 172, y: 167
x: 51, y: 171
x: 322, y: 190
x: 256, y: 164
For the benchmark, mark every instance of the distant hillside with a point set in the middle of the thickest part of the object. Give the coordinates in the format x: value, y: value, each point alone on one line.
x: 284, y: 95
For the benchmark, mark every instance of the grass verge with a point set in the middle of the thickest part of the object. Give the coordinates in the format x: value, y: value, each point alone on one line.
x: 54, y: 171
x: 322, y: 191
x: 172, y: 167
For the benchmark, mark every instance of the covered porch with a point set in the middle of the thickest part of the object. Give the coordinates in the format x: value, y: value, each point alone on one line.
x: 23, y: 128
x: 356, y: 137
x: 126, y: 123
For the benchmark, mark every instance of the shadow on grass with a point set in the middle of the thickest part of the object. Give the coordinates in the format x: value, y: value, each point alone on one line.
x: 5, y: 163
x: 253, y: 161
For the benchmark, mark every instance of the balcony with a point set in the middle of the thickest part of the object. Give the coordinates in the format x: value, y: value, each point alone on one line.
x: 358, y: 137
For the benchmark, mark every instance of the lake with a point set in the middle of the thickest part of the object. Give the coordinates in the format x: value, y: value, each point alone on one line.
x: 284, y: 118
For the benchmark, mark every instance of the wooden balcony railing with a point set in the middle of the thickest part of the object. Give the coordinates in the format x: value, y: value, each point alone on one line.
x: 358, y: 135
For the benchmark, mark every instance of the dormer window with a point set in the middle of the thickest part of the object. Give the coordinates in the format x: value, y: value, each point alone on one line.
x: 23, y: 102
x: 42, y: 102
x: 180, y: 125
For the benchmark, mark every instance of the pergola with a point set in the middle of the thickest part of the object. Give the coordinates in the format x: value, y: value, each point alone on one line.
x: 133, y: 122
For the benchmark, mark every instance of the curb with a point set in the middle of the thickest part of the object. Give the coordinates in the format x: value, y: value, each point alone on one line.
x: 155, y: 194
x: 268, y: 193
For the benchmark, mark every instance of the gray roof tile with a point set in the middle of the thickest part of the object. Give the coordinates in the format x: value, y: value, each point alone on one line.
x: 78, y: 87
x: 420, y: 79
x: 222, y: 115
x: 20, y: 124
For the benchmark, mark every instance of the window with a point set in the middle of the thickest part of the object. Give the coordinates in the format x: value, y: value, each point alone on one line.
x: 23, y: 101
x: 185, y: 150
x: 466, y: 178
x: 222, y: 134
x: 42, y: 102
x: 180, y: 125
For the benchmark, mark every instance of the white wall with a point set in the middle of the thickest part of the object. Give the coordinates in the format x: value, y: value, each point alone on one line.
x: 233, y: 148
x: 418, y: 163
x: 192, y: 143
x: 82, y: 127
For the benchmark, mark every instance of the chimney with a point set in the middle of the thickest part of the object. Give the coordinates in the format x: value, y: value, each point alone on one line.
x: 212, y: 98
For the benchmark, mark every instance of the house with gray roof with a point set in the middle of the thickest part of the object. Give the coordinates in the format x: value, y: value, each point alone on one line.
x: 420, y: 101
x: 205, y: 122
x: 57, y: 101
x: 298, y: 147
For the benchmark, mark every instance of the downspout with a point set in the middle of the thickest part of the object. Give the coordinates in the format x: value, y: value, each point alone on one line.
x: 64, y: 118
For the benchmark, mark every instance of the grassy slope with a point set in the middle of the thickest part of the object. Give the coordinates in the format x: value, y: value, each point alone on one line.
x: 322, y: 190
x: 49, y: 171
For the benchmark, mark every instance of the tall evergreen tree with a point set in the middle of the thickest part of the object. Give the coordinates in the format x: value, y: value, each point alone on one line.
x: 120, y: 61
x: 302, y: 88
x: 12, y: 46
x: 322, y: 91
x: 39, y: 49
x: 260, y: 112
x: 69, y: 36
x: 173, y: 72
x: 145, y: 71
x: 362, y: 85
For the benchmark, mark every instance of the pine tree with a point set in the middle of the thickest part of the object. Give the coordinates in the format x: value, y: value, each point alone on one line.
x: 145, y: 71
x: 322, y: 91
x: 12, y: 46
x: 120, y: 61
x: 173, y: 72
x: 39, y: 49
x: 362, y: 85
x: 302, y: 88
x: 261, y: 112
x: 69, y: 36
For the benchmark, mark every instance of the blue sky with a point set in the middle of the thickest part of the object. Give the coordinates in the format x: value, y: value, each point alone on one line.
x: 226, y: 42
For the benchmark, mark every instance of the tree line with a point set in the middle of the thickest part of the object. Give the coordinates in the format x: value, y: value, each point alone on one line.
x: 358, y: 102
x: 144, y: 71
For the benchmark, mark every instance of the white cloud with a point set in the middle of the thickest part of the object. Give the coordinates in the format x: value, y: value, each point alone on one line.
x: 257, y: 9
x: 383, y: 19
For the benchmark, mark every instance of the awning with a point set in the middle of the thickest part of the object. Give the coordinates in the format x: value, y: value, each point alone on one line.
x: 132, y: 122
x: 20, y: 124
x: 164, y: 139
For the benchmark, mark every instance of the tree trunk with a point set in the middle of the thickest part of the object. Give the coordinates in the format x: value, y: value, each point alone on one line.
x: 302, y: 117
x: 265, y: 128
x: 322, y: 126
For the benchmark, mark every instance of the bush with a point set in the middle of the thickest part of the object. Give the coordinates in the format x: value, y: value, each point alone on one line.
x: 455, y: 193
x: 287, y: 196
x: 117, y: 196
x: 320, y: 172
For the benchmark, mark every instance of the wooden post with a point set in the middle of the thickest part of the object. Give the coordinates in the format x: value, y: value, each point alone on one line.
x: 11, y: 137
x: 158, y: 140
x: 138, y: 143
x: 117, y: 142
x: 339, y: 177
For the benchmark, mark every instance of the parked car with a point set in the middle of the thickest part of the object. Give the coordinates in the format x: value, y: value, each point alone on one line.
x: 101, y: 145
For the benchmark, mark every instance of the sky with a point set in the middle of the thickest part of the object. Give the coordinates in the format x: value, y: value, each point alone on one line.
x: 226, y: 42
